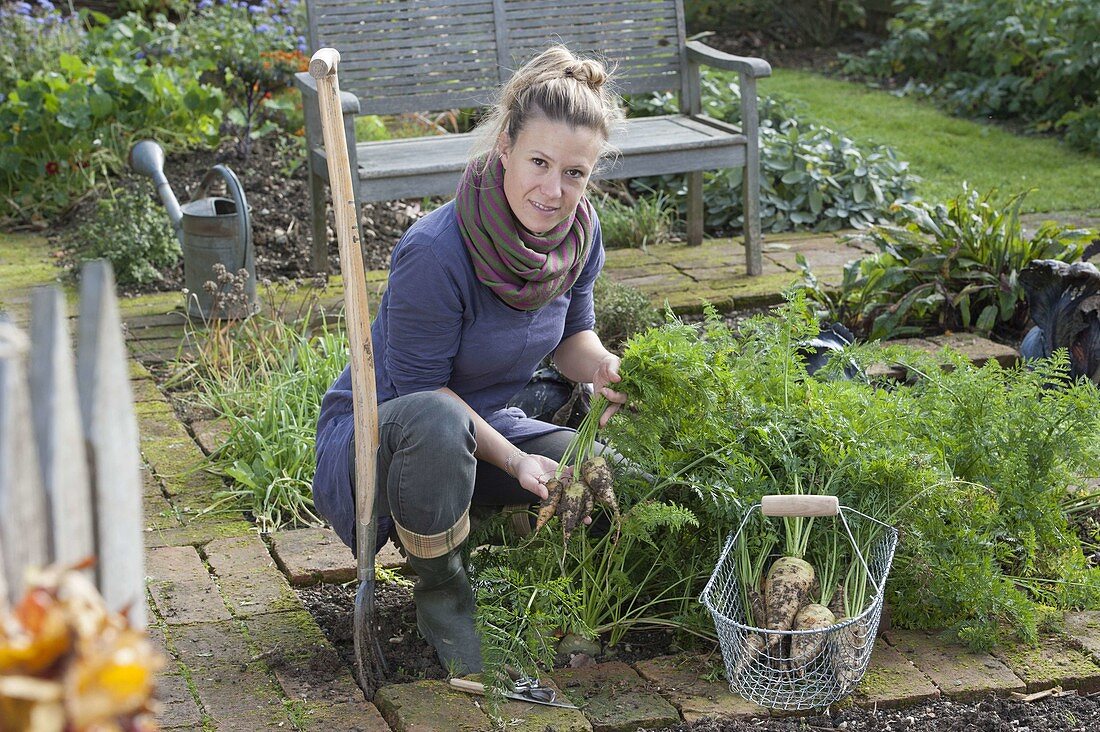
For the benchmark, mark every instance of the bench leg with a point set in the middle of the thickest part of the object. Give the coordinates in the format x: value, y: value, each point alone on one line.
x: 751, y: 189
x: 319, y: 255
x: 695, y: 209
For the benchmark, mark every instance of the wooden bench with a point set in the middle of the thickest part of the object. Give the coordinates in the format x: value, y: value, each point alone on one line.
x: 70, y: 462
x: 407, y: 56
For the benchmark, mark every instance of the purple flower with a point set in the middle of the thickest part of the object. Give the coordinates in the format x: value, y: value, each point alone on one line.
x: 302, y: 44
x: 22, y: 8
x: 263, y: 28
x: 139, y: 54
x: 46, y: 5
x: 255, y: 9
x: 204, y: 4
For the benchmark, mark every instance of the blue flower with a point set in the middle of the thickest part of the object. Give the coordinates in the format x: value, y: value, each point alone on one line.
x: 263, y: 28
x: 22, y: 8
x: 204, y: 4
x: 46, y: 5
x: 255, y: 9
x: 139, y: 54
x: 302, y: 44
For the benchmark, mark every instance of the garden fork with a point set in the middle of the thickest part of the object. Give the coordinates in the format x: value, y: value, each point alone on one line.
x: 370, y: 665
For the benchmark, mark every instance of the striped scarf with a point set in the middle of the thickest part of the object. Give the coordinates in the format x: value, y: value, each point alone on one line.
x: 524, y: 270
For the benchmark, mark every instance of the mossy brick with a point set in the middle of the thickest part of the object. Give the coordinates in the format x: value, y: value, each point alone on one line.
x: 137, y: 323
x: 309, y: 556
x: 711, y: 253
x: 523, y: 716
x: 360, y: 716
x: 680, y: 679
x: 624, y: 258
x: 151, y: 304
x: 249, y: 582
x: 178, y: 462
x: 642, y: 269
x: 977, y: 349
x: 615, y: 698
x: 155, y: 411
x: 957, y: 671
x: 235, y: 688
x: 182, y: 588
x: 210, y: 434
x: 178, y: 708
x: 1083, y: 628
x: 431, y: 706
x: 658, y: 281
x: 158, y: 514
x: 145, y: 390
x: 1052, y: 662
x: 305, y: 664
x: 157, y: 332
x: 138, y: 370
x: 196, y: 534
x: 891, y: 681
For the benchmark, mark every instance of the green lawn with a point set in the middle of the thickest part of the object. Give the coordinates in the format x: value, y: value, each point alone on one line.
x: 945, y: 150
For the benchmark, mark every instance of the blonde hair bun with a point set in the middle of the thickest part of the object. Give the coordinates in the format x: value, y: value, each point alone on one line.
x: 588, y: 72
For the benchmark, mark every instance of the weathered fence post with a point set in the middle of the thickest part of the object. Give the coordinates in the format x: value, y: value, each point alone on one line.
x: 22, y: 504
x: 70, y: 464
x: 56, y: 409
x: 111, y: 436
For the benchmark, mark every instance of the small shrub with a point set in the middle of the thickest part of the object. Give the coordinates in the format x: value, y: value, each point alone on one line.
x: 647, y: 221
x: 810, y: 176
x: 947, y: 267
x: 133, y: 233
x: 1033, y: 60
x: 621, y: 311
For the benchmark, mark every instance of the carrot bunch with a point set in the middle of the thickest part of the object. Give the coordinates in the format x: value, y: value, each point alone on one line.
x: 583, y: 479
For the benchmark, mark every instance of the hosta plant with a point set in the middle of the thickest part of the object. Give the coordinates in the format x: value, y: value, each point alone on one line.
x: 949, y: 266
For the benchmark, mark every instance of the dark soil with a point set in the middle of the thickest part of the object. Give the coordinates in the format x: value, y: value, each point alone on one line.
x: 409, y: 656
x: 1071, y: 713
x: 274, y: 179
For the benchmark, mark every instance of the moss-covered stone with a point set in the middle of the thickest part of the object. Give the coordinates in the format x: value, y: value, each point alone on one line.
x: 196, y: 535
x: 892, y: 681
x: 1051, y: 663
x: 430, y: 705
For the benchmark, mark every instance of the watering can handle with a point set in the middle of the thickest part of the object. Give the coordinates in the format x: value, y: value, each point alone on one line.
x: 236, y: 192
x: 801, y: 505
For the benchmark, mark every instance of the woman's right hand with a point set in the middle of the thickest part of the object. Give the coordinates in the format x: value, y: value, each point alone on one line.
x: 532, y: 472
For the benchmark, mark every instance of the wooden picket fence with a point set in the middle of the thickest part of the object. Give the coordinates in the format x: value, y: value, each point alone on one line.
x: 70, y: 461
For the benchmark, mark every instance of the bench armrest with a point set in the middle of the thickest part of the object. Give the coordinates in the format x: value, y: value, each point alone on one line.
x: 349, y: 103
x: 700, y: 53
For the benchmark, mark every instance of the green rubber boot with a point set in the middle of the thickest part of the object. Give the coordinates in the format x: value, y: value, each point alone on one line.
x: 445, y: 611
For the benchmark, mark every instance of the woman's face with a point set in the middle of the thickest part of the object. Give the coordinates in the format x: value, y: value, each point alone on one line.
x: 546, y: 170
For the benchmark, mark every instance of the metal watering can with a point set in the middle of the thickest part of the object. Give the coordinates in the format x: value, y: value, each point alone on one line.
x: 211, y: 230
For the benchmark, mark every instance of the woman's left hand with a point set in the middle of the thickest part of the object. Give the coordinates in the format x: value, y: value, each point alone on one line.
x: 607, y: 373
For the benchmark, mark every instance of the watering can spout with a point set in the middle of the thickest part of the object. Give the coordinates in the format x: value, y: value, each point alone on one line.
x: 147, y: 158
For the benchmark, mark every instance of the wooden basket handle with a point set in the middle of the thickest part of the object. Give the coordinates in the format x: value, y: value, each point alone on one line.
x: 799, y: 505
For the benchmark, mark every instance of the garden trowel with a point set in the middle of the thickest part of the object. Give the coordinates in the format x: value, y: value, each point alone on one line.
x: 532, y: 694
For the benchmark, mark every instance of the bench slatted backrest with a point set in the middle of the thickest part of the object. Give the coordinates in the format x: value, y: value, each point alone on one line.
x: 402, y: 56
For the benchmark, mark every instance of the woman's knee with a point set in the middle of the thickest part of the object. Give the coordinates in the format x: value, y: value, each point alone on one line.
x: 429, y: 419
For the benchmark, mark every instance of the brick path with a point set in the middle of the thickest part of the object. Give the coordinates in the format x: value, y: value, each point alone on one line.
x: 243, y: 653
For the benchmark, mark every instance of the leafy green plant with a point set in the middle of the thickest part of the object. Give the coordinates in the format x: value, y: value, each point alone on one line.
x: 131, y: 231
x: 1033, y: 60
x: 265, y: 377
x: 252, y: 51
x: 950, y: 266
x: 811, y: 176
x: 647, y: 219
x: 621, y: 311
x: 973, y: 464
x: 63, y: 131
x: 32, y: 36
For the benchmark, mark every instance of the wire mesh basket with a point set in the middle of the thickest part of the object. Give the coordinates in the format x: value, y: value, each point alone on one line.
x: 799, y: 669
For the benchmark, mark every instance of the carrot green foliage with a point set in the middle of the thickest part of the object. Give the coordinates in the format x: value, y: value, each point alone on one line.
x: 976, y: 466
